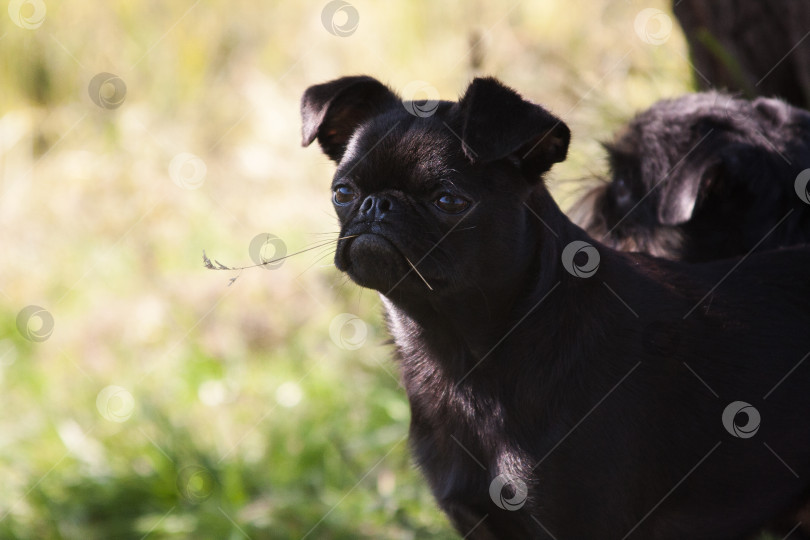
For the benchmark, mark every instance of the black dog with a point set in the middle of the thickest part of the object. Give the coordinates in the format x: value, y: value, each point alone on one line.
x: 705, y: 177
x: 560, y: 389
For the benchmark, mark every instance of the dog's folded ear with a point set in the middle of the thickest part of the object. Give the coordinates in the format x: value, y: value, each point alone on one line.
x: 498, y: 123
x: 738, y: 173
x: 332, y: 111
x: 779, y: 113
x: 697, y: 183
x: 775, y: 111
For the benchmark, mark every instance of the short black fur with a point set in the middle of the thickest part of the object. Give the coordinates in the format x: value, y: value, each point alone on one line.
x: 602, y: 395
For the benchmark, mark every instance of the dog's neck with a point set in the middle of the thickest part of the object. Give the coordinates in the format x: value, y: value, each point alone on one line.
x: 463, y: 329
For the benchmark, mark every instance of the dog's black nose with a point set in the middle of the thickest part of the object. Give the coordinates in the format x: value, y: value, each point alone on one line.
x: 376, y: 207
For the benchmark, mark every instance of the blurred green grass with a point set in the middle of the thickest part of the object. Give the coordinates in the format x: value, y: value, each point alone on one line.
x: 246, y: 419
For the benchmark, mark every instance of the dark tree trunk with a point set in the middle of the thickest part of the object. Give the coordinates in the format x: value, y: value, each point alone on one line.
x: 757, y: 47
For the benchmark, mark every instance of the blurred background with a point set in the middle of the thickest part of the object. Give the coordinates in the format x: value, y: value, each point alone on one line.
x: 145, y: 396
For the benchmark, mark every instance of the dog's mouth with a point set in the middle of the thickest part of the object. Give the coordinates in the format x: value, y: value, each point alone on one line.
x: 372, y: 258
x: 369, y: 245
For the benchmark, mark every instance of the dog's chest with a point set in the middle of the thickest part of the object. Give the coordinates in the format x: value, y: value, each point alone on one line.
x: 462, y: 432
x: 478, y: 473
x: 459, y: 433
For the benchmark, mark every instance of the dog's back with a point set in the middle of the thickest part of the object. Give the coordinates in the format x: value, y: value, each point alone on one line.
x: 715, y: 341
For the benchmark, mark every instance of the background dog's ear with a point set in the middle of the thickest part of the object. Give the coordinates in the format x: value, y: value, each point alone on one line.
x: 681, y: 197
x: 731, y: 178
x: 777, y: 112
x: 332, y: 111
x: 498, y: 123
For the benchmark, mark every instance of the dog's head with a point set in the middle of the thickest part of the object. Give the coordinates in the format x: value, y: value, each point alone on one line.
x: 430, y: 195
x: 699, y: 177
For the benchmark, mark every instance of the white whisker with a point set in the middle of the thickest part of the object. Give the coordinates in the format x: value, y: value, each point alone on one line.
x: 418, y: 274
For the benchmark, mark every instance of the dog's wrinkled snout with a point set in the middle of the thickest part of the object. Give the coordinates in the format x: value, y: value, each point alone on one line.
x: 376, y: 207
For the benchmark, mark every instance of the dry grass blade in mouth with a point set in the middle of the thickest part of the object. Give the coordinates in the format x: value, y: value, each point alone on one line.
x: 418, y: 274
x: 216, y: 265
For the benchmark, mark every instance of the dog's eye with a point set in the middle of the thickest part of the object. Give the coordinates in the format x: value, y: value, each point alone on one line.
x: 344, y: 195
x: 451, y: 203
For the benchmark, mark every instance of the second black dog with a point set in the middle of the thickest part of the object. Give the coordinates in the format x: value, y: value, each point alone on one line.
x: 705, y: 177
x: 560, y: 389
